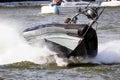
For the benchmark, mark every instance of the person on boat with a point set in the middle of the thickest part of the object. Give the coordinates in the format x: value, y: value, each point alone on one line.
x: 56, y: 2
x: 69, y: 20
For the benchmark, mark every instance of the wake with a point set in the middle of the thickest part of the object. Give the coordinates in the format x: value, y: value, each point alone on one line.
x: 109, y: 52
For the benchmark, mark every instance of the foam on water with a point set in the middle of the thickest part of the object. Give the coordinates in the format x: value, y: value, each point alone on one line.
x: 109, y: 52
x: 14, y: 48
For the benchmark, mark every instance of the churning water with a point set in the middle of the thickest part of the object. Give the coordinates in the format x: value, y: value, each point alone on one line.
x: 21, y: 61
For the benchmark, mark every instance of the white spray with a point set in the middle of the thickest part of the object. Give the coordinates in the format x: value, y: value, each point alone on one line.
x: 109, y: 53
x: 14, y: 48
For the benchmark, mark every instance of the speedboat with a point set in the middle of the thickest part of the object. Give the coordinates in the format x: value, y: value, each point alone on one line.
x: 69, y: 39
x: 63, y: 39
x: 111, y: 3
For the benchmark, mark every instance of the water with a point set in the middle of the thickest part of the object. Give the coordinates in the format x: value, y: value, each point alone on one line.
x: 21, y: 61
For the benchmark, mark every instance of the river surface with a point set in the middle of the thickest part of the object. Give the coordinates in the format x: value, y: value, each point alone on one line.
x: 21, y: 61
